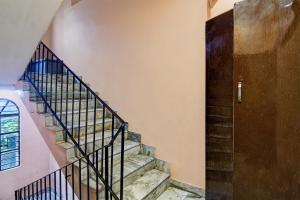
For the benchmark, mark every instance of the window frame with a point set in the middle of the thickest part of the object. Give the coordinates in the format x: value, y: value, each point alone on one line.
x: 18, y: 148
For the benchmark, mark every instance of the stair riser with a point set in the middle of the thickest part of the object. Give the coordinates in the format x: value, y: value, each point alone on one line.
x: 90, y: 130
x: 51, y: 121
x: 41, y: 107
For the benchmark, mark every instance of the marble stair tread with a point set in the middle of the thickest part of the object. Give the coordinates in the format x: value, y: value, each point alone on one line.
x: 128, y: 145
x: 173, y: 193
x: 145, y: 185
x: 90, y: 138
x: 131, y: 165
x: 76, y: 125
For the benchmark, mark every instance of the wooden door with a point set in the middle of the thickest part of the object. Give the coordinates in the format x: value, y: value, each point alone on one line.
x: 266, y: 100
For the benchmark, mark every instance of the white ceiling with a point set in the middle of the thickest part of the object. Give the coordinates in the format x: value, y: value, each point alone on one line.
x: 22, y: 25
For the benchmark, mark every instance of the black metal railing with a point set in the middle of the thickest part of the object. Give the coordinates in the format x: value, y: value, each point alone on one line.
x: 87, y: 121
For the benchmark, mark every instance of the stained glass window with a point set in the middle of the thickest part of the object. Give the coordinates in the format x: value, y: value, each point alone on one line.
x: 9, y: 135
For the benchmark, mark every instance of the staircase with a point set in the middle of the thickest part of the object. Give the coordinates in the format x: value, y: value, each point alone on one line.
x: 106, y: 161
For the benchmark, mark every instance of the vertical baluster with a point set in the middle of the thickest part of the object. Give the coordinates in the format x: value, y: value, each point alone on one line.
x: 41, y: 188
x: 32, y: 190
x: 66, y: 183
x: 30, y: 70
x: 51, y: 81
x: 28, y: 191
x: 88, y: 181
x: 73, y: 90
x: 80, y: 192
x: 46, y: 73
x: 43, y: 63
x: 37, y: 189
x: 97, y: 177
x: 60, y: 192
x: 55, y: 190
x: 106, y: 180
x: 61, y: 93
x: 86, y: 120
x: 38, y: 66
x: 73, y: 186
x: 50, y: 186
x: 94, y: 128
x: 45, y: 189
x: 67, y: 101
x: 79, y: 112
x: 112, y: 152
x: 122, y: 163
x: 56, y: 72
x: 34, y: 68
x: 102, y: 146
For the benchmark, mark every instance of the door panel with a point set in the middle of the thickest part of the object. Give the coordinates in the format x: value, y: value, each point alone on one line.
x: 267, y: 120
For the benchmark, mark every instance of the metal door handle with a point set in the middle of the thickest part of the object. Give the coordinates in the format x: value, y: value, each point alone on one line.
x: 239, y: 92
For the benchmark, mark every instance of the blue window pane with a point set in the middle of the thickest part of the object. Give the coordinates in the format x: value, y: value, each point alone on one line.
x: 9, y: 124
x: 9, y: 135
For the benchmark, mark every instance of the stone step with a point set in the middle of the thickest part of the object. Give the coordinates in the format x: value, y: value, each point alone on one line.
x: 82, y: 128
x: 134, y: 167
x: 173, y: 193
x: 72, y: 150
x: 50, y: 120
x: 148, y: 187
x: 215, y: 130
x: 130, y: 148
x: 42, y: 86
x: 60, y: 78
x: 58, y: 96
x: 68, y: 104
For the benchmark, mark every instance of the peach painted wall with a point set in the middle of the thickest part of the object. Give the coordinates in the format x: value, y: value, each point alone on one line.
x: 35, y: 155
x: 147, y: 59
x: 222, y: 6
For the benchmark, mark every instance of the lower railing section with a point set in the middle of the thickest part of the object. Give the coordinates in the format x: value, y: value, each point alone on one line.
x: 58, y: 87
x: 73, y: 181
